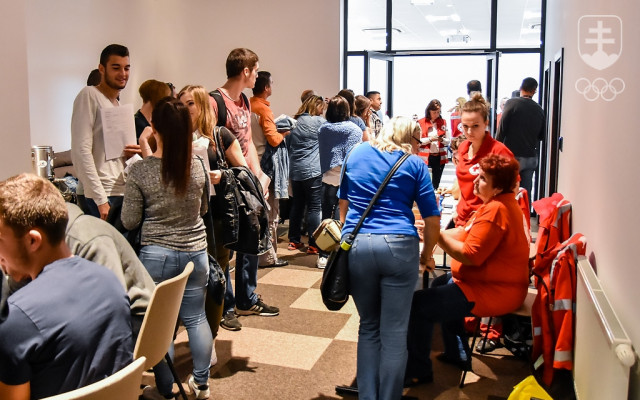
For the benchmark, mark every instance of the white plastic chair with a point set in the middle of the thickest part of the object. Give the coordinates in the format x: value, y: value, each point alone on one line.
x: 158, y: 325
x: 123, y: 385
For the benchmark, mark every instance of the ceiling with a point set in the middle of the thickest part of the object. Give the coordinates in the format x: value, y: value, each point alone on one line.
x: 443, y: 24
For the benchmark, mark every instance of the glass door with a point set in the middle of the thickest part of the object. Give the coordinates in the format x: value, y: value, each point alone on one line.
x: 379, y: 78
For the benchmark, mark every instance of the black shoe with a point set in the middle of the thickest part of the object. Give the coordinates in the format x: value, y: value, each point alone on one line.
x: 490, y: 346
x: 278, y: 263
x: 411, y: 382
x: 230, y: 322
x: 259, y: 308
x: 462, y: 364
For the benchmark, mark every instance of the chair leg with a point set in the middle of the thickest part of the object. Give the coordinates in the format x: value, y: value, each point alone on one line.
x: 469, y: 354
x: 175, y: 376
x: 486, y: 335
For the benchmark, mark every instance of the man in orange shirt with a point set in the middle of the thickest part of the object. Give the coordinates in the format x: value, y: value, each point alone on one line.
x: 265, y: 134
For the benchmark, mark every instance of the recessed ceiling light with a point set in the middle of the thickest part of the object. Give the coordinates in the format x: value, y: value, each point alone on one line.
x: 423, y: 2
x: 532, y: 14
x: 447, y: 32
x: 379, y: 30
x: 436, y: 18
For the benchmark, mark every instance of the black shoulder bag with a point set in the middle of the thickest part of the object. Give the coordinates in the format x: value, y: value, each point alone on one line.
x: 335, y: 278
x: 217, y: 282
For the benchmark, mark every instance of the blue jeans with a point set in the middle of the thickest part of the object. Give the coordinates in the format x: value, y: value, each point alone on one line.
x: 307, y: 193
x: 246, y: 283
x: 528, y: 166
x: 330, y: 207
x: 383, y: 270
x: 163, y: 264
x: 444, y: 303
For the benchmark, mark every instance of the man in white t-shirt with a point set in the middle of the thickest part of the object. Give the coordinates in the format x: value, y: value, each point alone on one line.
x: 101, y: 179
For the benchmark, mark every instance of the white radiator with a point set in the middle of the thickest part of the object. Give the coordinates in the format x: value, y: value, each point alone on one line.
x: 603, y: 351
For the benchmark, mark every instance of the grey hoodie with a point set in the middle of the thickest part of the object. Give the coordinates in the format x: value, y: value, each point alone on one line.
x: 96, y: 240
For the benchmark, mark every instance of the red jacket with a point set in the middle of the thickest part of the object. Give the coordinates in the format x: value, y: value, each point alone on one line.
x: 455, y: 124
x: 441, y: 127
x: 553, y: 310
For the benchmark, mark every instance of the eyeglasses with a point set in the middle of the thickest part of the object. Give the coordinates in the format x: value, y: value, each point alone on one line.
x: 416, y: 139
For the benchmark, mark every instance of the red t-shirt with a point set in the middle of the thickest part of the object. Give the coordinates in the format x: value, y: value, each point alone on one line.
x: 495, y: 242
x: 467, y: 171
x: 238, y: 120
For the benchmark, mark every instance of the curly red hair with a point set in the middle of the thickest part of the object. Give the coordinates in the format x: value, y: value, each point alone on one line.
x: 504, y: 171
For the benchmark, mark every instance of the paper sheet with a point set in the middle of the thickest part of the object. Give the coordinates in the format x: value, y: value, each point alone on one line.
x: 118, y: 129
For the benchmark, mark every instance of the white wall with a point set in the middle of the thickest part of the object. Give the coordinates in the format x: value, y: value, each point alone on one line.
x: 597, y: 169
x: 15, y: 153
x: 178, y: 42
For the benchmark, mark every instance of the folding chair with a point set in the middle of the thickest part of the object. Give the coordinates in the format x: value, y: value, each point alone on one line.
x: 156, y: 333
x: 123, y: 385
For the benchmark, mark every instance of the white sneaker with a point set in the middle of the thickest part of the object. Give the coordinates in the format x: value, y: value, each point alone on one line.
x: 214, y: 356
x: 201, y: 391
x: 322, y: 262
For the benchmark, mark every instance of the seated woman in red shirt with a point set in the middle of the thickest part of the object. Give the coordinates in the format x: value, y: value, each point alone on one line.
x: 489, y: 271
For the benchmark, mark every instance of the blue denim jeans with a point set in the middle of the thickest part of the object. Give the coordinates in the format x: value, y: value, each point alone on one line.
x: 307, y: 193
x: 163, y: 264
x: 383, y: 270
x: 246, y: 283
x: 330, y: 207
x: 444, y: 303
x: 528, y: 166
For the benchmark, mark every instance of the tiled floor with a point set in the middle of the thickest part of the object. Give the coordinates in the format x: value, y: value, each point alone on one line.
x: 306, y: 351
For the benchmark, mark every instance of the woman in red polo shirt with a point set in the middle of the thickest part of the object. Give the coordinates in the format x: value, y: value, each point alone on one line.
x: 479, y: 144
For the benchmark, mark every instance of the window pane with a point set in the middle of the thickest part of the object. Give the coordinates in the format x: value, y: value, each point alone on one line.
x: 519, y: 23
x: 355, y: 74
x: 418, y: 80
x: 367, y: 25
x: 378, y: 81
x: 431, y: 24
x: 513, y: 69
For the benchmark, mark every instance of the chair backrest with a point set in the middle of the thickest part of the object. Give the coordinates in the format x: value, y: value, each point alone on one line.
x: 123, y: 385
x: 156, y: 333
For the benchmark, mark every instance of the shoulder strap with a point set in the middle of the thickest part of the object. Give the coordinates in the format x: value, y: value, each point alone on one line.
x: 206, y: 175
x: 222, y: 160
x: 245, y: 99
x: 222, y: 108
x: 351, y: 236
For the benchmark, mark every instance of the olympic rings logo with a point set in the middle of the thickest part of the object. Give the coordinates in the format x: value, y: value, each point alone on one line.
x: 600, y: 88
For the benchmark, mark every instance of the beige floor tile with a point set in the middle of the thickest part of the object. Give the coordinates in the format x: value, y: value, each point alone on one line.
x: 291, y: 277
x: 275, y: 348
x: 311, y: 300
x: 349, y: 332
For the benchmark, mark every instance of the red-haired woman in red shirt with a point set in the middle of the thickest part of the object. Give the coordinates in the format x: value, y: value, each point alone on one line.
x: 489, y: 271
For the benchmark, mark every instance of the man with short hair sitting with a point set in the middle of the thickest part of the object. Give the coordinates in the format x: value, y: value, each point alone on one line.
x: 70, y: 326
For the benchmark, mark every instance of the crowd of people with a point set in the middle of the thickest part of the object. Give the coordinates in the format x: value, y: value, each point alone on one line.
x: 331, y: 156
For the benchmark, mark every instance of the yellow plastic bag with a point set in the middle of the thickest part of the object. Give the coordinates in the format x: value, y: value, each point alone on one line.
x: 529, y: 389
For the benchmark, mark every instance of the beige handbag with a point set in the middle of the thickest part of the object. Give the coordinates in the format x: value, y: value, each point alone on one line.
x: 328, y: 234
